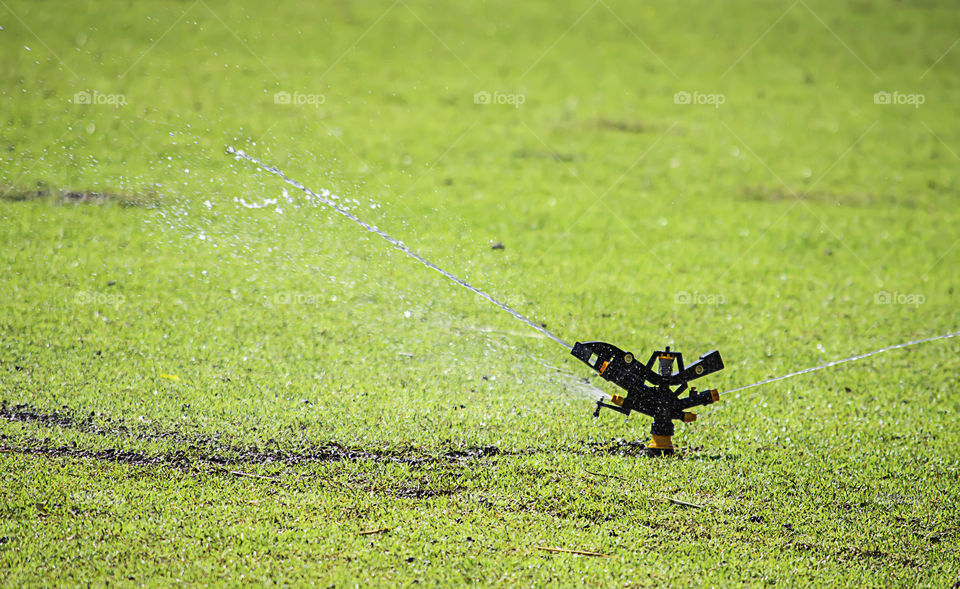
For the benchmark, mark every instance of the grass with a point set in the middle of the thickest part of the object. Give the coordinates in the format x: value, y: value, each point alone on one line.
x: 196, y: 390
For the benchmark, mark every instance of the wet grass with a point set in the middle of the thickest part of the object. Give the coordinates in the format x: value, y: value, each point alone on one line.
x: 199, y: 390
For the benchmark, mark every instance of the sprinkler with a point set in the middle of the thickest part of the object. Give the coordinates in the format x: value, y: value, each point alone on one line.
x: 653, y: 392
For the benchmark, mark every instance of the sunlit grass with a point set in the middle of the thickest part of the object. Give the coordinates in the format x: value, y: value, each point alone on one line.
x: 206, y: 378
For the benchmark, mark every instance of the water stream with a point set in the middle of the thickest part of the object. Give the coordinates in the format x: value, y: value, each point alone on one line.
x: 325, y: 198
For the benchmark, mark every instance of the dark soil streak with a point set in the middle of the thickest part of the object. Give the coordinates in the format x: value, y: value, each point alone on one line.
x: 175, y: 459
x: 19, y: 194
x: 184, y: 462
x: 211, y: 449
x: 214, y: 449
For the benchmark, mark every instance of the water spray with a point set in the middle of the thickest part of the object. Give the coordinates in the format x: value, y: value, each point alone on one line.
x: 653, y: 392
x: 842, y: 361
x: 324, y: 198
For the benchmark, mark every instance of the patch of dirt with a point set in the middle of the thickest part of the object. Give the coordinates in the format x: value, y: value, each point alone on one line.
x: 623, y: 126
x: 617, y: 446
x: 189, y: 462
x: 542, y: 154
x: 93, y: 423
x: 212, y: 449
x: 767, y: 194
x: 478, y: 452
x: 621, y: 447
x: 46, y: 448
x: 27, y: 414
x: 14, y: 193
x: 632, y: 126
x: 421, y: 493
x: 859, y: 554
x: 217, y: 449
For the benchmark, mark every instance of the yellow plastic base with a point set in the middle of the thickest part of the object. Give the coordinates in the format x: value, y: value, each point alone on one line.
x: 661, y: 443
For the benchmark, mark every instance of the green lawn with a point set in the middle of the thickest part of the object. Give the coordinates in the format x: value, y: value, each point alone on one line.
x: 205, y: 378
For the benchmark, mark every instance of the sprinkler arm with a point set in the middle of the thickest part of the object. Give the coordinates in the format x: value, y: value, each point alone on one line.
x: 622, y: 368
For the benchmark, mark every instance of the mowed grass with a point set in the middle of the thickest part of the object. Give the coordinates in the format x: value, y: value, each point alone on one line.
x: 201, y: 391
